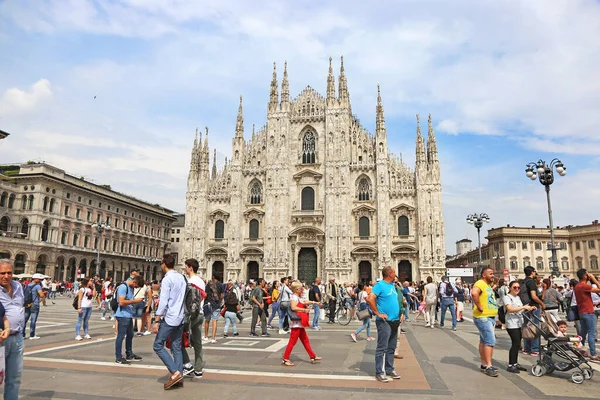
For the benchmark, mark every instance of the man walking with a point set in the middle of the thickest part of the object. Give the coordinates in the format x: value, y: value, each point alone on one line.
x: 11, y: 297
x: 33, y: 308
x: 447, y: 293
x: 485, y: 311
x: 169, y: 321
x: 315, y: 295
x: 191, y: 270
x: 212, y: 308
x: 583, y: 294
x: 257, y: 300
x: 332, y: 292
x: 383, y: 301
x: 124, y: 316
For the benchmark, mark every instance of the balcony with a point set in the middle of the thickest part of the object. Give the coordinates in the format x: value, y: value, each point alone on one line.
x: 409, y: 239
x: 217, y: 242
x: 253, y: 242
x: 365, y: 240
x: 299, y: 216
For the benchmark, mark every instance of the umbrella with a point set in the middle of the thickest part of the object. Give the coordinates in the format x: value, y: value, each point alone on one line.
x: 21, y: 276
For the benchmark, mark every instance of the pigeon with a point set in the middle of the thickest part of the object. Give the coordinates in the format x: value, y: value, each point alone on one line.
x: 94, y: 97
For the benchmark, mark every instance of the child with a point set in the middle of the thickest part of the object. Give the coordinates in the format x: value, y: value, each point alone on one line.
x: 562, y: 332
x: 421, y: 311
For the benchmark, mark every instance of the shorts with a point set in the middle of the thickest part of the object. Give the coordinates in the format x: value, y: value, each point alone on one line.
x: 486, y: 326
x: 215, y: 315
x: 460, y: 306
x: 138, y: 309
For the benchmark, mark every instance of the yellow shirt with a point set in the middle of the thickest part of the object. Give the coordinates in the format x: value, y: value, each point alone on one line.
x: 487, y: 299
x: 274, y: 294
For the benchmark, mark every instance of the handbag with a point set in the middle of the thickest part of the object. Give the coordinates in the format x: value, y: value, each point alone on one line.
x: 573, y: 314
x: 223, y: 312
x: 364, y: 312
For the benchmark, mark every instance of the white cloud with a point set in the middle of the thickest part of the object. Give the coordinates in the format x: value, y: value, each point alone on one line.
x: 15, y: 100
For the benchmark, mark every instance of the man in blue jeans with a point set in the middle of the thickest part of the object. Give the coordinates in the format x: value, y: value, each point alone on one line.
x: 170, y: 315
x: 124, y: 316
x: 11, y: 296
x: 33, y: 310
x: 532, y: 346
x: 383, y: 301
x: 587, y: 316
x: 315, y: 295
x: 447, y: 294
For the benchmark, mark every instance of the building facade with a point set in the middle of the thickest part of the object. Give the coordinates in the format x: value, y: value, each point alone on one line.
x: 46, y: 218
x: 177, y: 237
x: 313, y: 193
x: 510, y: 249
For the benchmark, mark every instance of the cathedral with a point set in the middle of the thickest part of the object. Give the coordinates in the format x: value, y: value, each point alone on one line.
x: 314, y: 194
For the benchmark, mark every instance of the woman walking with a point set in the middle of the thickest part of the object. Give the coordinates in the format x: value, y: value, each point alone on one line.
x: 514, y: 322
x: 430, y: 296
x: 551, y: 298
x: 362, y: 305
x: 85, y: 297
x: 275, y: 304
x: 232, y: 306
x: 297, y: 326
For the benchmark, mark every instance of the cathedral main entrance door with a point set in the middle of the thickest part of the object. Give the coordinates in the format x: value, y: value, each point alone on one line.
x: 405, y: 271
x: 364, y: 272
x: 218, y: 270
x: 307, y: 265
x: 252, y: 271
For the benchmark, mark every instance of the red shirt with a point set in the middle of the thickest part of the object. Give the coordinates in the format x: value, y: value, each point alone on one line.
x: 583, y: 295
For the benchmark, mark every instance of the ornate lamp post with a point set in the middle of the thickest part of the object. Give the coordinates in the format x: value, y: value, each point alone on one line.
x: 478, y: 220
x: 99, y: 227
x: 546, y: 173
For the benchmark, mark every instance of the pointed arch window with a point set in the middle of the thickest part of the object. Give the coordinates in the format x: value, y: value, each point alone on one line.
x: 308, y: 198
x: 364, y: 227
x: 219, y: 229
x: 309, y: 148
x: 256, y: 193
x: 25, y: 227
x: 253, y: 228
x: 403, y: 226
x: 363, y: 191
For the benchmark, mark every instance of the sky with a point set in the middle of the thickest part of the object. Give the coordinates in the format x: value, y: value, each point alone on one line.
x: 507, y: 83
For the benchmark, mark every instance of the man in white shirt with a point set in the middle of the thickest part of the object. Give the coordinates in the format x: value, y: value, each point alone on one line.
x: 195, y: 329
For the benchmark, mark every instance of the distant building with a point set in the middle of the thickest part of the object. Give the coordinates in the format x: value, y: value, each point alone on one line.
x: 46, y: 218
x: 511, y: 249
x: 463, y: 246
x: 177, y: 235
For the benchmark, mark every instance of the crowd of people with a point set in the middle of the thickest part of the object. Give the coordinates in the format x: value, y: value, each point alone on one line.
x: 183, y: 312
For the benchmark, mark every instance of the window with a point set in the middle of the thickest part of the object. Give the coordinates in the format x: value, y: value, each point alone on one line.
x: 96, y: 243
x: 45, y: 231
x: 308, y: 198
x: 3, y: 199
x: 514, y: 265
x: 309, y: 148
x: 496, y: 247
x: 539, y: 264
x: 593, y: 262
x: 86, y: 241
x: 105, y: 245
x: 219, y: 229
x: 403, y: 225
x: 178, y: 230
x: 52, y: 202
x: 11, y: 201
x: 139, y: 228
x: 512, y: 245
x: 90, y: 202
x: 68, y: 195
x: 24, y: 202
x: 565, y: 265
x: 89, y: 216
x: 364, y: 227
x: 79, y: 199
x: 591, y: 244
x: 172, y: 240
x: 130, y: 248
x: 253, y: 227
x: 124, y: 224
x: 177, y: 240
x: 577, y: 245
x: 152, y: 232
x: 78, y: 213
x: 523, y: 245
x: 114, y: 247
x: 31, y: 202
x: 75, y: 239
x: 45, y: 207
x: 107, y: 220
x: 579, y: 263
x: 132, y: 227
x: 363, y: 190
x: 137, y: 249
x: 98, y: 217
x: 4, y: 223
x: 63, y: 237
x: 526, y: 262
x: 563, y: 245
x: 67, y: 209
x: 172, y: 230
x: 99, y: 205
x: 256, y: 193
x: 538, y: 245
x: 116, y: 222
x: 122, y: 247
x: 108, y: 207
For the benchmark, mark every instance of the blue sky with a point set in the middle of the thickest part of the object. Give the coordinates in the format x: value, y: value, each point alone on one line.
x: 507, y: 82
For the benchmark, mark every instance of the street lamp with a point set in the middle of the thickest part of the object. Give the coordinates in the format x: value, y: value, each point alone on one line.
x: 99, y: 227
x: 478, y: 220
x: 546, y: 173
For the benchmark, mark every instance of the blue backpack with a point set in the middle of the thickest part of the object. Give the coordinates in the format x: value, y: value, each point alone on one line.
x: 28, y: 296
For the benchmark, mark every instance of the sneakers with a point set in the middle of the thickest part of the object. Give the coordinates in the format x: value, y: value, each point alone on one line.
x: 78, y: 337
x: 371, y: 339
x: 454, y: 329
x: 198, y: 374
x: 354, y: 337
x: 34, y: 337
x: 520, y: 367
x: 427, y: 325
x: 490, y: 371
x: 188, y: 371
x: 270, y: 327
x: 224, y: 335
x: 205, y: 340
x: 235, y: 334
x: 265, y: 334
x: 282, y: 332
x: 513, y: 369
x: 122, y: 361
x: 102, y: 318
x: 139, y: 334
x: 87, y: 336
x: 252, y: 334
x: 112, y: 318
x: 394, y: 375
x: 534, y: 354
x: 147, y: 333
x: 133, y: 357
x: 402, y: 331
x: 382, y: 378
x: 213, y: 341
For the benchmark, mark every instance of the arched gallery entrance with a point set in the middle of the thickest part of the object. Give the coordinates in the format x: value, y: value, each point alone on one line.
x: 307, y: 265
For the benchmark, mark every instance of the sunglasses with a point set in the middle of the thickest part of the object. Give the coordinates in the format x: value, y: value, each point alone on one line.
x: 516, y: 287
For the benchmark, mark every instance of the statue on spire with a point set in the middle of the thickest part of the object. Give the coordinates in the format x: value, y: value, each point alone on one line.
x: 285, y: 86
x: 343, y: 84
x: 274, y: 89
x: 421, y: 155
x: 330, y: 84
x: 380, y: 119
x: 239, y: 124
x: 432, y: 153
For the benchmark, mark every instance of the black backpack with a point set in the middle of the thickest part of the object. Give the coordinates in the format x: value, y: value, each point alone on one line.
x: 28, y: 295
x: 311, y: 294
x: 449, y: 289
x: 191, y: 301
x: 523, y: 294
x: 114, y: 302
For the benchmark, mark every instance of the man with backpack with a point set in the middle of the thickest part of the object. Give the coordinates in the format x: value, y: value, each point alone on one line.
x: 529, y: 296
x: 124, y: 315
x: 315, y: 295
x: 447, y: 293
x: 169, y: 319
x: 33, y: 295
x: 212, y: 308
x: 195, y: 320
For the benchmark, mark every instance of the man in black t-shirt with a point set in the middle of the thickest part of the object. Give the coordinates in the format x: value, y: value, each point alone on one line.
x: 532, y: 346
x: 315, y: 295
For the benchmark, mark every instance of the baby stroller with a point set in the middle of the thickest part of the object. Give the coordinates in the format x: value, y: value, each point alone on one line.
x: 558, y: 353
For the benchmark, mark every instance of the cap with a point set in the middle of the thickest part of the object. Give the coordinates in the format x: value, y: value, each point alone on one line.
x: 38, y: 276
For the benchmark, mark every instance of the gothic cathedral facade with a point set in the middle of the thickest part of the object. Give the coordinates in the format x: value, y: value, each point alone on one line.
x: 313, y: 193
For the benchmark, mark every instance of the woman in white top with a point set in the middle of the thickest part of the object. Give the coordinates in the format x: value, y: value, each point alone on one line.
x: 514, y: 321
x: 362, y: 305
x: 430, y: 296
x: 85, y: 296
x: 141, y: 310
